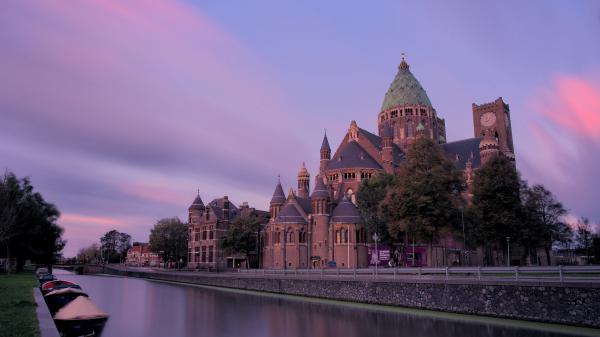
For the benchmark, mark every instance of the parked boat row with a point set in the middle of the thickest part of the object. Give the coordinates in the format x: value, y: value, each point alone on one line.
x: 74, y: 313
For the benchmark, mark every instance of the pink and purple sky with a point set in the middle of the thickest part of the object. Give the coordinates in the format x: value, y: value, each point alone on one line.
x: 120, y: 110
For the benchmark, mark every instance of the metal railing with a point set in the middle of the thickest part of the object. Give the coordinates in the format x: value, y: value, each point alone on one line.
x: 552, y: 273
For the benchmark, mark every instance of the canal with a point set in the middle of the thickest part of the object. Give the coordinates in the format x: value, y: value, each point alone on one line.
x: 142, y: 308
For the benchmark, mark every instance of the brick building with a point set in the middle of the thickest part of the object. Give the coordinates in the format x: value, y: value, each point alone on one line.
x: 140, y: 255
x: 207, y: 225
x: 325, y: 227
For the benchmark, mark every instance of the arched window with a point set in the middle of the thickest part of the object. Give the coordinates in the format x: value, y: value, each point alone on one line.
x: 338, y: 237
x: 409, y: 129
x: 302, y: 236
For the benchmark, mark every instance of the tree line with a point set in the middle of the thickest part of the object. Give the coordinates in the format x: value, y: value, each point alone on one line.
x: 28, y: 229
x: 425, y: 201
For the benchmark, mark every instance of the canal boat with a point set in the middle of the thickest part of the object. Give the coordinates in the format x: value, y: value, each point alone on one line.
x: 57, y: 284
x: 46, y: 278
x: 80, y: 317
x: 58, y: 298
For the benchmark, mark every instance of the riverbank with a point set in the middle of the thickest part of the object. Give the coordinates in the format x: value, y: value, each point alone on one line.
x: 17, y: 305
x: 563, y: 304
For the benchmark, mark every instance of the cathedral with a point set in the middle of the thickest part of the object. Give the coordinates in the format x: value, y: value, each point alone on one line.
x: 324, y: 228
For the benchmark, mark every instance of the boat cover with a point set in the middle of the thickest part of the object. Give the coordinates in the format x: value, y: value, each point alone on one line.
x: 80, y: 308
x: 63, y: 291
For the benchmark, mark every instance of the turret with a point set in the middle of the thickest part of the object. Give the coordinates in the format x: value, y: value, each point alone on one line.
x: 488, y: 148
x: 325, y: 154
x: 387, y: 137
x: 196, y: 208
x: 277, y: 200
x: 321, y: 206
x: 303, y: 182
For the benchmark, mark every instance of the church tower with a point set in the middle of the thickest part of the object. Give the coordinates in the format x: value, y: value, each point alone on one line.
x: 277, y: 201
x: 303, y: 182
x: 494, y: 119
x: 408, y: 111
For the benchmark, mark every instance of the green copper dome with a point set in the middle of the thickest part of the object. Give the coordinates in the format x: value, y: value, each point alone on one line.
x: 405, y: 90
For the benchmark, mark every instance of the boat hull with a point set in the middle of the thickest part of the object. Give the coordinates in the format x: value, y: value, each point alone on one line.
x: 76, y: 327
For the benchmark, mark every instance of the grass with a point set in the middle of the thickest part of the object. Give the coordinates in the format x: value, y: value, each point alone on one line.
x: 17, y: 306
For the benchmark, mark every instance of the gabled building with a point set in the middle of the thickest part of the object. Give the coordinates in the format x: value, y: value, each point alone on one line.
x: 207, y: 225
x: 140, y: 255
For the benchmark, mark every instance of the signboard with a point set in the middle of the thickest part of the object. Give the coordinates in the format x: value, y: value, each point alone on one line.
x: 382, y: 255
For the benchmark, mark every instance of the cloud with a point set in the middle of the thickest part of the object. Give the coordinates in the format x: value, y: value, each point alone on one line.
x: 119, y: 108
x: 562, y: 149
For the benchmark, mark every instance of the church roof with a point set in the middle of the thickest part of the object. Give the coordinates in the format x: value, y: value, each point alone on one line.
x: 352, y: 155
x: 320, y: 190
x: 405, y: 90
x: 278, y: 195
x: 197, y: 204
x: 217, y: 206
x: 398, y: 154
x: 460, y: 151
x: 346, y: 212
x: 290, y: 214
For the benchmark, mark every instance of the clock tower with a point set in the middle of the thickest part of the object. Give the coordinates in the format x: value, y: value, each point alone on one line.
x: 493, y: 119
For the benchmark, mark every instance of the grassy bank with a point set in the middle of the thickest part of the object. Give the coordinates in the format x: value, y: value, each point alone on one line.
x: 17, y: 306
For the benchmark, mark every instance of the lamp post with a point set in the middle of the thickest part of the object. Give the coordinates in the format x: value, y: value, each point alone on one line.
x: 376, y: 238
x: 508, y: 251
x: 462, y: 220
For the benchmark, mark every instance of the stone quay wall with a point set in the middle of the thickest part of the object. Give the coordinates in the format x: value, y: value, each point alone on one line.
x: 572, y: 304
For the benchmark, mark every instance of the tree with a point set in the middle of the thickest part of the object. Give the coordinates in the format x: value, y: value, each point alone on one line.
x: 369, y: 196
x: 426, y: 197
x: 543, y: 216
x: 496, y: 205
x: 169, y: 238
x: 114, y: 246
x: 584, y: 236
x: 28, y: 228
x: 242, y: 235
x: 90, y: 254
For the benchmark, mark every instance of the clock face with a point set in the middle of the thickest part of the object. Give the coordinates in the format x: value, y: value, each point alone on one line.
x: 488, y: 119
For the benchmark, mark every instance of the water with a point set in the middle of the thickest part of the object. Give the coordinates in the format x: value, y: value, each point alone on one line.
x: 154, y: 309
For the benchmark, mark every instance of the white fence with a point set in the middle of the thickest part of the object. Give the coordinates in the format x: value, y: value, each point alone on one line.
x: 553, y: 273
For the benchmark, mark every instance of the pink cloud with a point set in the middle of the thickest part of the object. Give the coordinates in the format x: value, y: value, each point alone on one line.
x: 572, y: 103
x: 73, y: 219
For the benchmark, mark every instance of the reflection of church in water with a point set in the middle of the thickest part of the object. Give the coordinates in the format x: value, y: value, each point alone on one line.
x: 315, y: 229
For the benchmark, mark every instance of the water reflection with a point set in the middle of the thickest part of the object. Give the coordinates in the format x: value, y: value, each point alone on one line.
x: 147, y: 309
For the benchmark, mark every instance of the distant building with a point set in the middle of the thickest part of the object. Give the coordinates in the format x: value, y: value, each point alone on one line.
x: 326, y: 229
x: 207, y: 225
x: 140, y: 255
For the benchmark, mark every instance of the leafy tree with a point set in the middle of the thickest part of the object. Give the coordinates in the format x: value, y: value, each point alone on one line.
x: 425, y: 200
x: 28, y: 228
x: 496, y: 205
x: 543, y: 216
x: 369, y: 196
x: 169, y: 238
x: 114, y: 246
x: 584, y: 236
x: 242, y: 235
x: 90, y: 254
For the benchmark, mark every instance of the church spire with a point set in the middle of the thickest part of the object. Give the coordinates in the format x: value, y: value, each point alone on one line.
x: 403, y: 65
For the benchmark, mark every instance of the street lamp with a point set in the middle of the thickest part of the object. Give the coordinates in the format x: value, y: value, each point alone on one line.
x: 508, y: 251
x: 376, y: 238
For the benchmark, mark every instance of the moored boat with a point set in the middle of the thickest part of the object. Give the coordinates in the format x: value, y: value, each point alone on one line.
x: 57, y: 284
x: 43, y: 278
x: 58, y: 298
x: 80, y: 317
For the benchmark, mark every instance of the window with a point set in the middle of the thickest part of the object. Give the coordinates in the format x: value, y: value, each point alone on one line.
x: 409, y: 129
x: 211, y: 233
x: 423, y: 112
x: 290, y: 236
x: 409, y: 112
x: 210, y: 253
x: 277, y: 237
x: 196, y: 254
x: 302, y: 236
x: 338, y: 237
x: 394, y: 113
x: 197, y: 235
x: 204, y: 233
x: 344, y: 236
x: 203, y: 253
